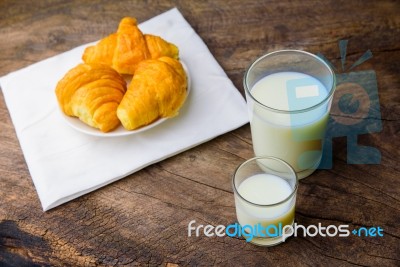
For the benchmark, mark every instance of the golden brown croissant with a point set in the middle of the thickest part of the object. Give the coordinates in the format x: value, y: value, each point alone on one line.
x: 157, y: 90
x: 124, y: 49
x: 92, y: 92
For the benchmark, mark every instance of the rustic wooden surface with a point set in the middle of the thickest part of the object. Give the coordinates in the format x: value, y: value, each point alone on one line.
x: 142, y: 219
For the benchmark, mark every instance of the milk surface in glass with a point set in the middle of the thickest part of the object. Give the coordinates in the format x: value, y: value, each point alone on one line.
x: 265, y: 189
x: 296, y: 138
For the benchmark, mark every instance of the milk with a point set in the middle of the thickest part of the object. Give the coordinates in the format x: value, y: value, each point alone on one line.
x: 294, y: 137
x: 265, y: 189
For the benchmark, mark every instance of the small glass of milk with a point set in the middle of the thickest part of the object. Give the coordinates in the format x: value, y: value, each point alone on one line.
x: 265, y: 195
x: 289, y: 95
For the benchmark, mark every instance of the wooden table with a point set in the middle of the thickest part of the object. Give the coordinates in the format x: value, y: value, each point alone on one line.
x: 142, y: 219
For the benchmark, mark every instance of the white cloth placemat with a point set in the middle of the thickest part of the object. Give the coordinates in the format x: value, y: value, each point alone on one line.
x: 65, y: 164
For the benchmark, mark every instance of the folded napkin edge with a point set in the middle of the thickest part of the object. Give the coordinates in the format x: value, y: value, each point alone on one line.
x: 68, y: 198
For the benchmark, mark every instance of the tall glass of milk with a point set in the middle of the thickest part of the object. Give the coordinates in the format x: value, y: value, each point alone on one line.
x: 289, y: 95
x: 265, y: 199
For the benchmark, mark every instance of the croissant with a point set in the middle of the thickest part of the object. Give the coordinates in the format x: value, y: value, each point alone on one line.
x: 157, y: 90
x: 92, y: 92
x: 124, y: 49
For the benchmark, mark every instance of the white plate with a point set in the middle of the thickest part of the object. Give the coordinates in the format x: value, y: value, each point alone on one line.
x: 80, y: 126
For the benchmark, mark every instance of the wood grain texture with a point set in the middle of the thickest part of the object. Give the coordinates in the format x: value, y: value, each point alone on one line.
x: 142, y: 220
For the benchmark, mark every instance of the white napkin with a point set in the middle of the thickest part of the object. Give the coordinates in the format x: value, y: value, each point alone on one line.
x: 65, y: 164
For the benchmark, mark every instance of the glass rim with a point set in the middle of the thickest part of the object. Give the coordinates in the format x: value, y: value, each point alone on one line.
x: 330, y: 94
x: 294, y: 190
